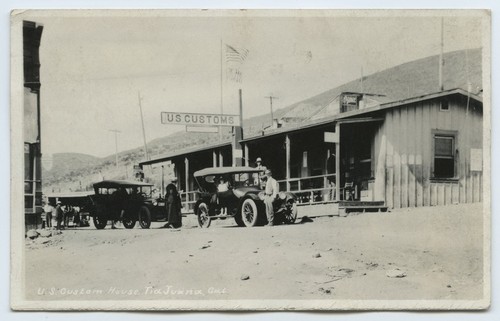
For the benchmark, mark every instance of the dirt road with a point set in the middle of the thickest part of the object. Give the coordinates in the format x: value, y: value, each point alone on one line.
x: 429, y: 253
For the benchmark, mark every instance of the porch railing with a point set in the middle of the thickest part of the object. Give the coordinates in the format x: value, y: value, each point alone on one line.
x: 188, y: 200
x: 310, y: 190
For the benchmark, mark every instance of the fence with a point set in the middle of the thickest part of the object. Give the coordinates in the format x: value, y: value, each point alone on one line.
x: 310, y: 190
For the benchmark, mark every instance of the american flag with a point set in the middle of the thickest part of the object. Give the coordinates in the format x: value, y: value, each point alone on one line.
x: 234, y: 54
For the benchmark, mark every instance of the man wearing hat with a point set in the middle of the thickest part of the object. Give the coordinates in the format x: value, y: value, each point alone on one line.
x: 271, y: 191
x: 59, y: 214
x: 258, y: 163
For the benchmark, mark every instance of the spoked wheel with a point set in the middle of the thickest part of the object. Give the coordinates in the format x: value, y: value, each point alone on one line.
x: 249, y: 214
x: 291, y: 216
x: 204, y: 219
x: 144, y: 217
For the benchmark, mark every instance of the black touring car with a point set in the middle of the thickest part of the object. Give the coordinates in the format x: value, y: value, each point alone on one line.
x: 243, y: 200
x: 126, y: 201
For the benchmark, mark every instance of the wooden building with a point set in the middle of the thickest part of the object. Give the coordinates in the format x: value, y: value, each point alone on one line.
x: 32, y: 34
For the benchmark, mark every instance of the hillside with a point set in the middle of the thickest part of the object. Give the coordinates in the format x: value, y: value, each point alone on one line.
x: 419, y: 77
x: 65, y: 165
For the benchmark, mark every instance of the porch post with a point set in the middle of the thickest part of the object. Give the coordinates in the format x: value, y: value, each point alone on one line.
x: 221, y: 159
x: 186, y: 172
x: 214, y: 158
x: 287, y: 146
x: 325, y: 172
x: 337, y: 163
x: 247, y: 156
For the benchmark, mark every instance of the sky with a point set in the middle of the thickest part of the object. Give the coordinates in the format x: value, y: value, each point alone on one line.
x: 93, y: 69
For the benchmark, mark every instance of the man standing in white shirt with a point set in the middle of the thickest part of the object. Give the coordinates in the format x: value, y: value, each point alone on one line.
x: 271, y: 191
x: 48, y: 209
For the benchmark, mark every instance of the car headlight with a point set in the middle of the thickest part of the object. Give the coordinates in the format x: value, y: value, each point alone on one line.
x: 282, y: 195
x: 262, y: 196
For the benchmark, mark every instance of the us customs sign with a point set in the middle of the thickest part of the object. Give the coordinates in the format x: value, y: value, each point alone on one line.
x: 194, y: 119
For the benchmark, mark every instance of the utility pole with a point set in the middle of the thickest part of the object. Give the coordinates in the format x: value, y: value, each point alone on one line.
x: 143, y: 130
x: 116, y: 132
x: 441, y: 60
x: 271, y: 97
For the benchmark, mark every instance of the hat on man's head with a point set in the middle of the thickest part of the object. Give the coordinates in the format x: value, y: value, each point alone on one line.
x: 258, y: 159
x: 58, y: 202
x: 268, y: 173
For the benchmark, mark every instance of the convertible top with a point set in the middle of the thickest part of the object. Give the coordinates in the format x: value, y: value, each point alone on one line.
x: 119, y: 183
x: 70, y: 198
x: 225, y: 170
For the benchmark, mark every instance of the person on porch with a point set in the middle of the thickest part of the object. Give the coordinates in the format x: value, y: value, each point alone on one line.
x: 258, y: 165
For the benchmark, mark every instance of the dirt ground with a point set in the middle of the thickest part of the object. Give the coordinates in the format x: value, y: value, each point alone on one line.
x: 426, y: 253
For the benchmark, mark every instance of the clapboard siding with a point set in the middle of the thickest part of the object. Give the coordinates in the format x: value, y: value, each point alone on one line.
x: 403, y: 147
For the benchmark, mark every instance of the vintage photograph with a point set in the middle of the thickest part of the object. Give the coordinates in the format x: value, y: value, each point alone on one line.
x: 250, y: 159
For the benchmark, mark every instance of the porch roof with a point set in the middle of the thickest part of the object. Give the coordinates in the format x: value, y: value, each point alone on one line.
x: 183, y: 152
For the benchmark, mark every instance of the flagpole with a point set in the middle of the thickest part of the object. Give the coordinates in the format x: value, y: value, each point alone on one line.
x: 221, y: 91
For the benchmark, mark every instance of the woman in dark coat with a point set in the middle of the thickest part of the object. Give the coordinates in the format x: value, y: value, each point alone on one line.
x: 173, y: 204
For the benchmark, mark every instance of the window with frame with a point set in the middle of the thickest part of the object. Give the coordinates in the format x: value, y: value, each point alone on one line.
x: 444, y: 156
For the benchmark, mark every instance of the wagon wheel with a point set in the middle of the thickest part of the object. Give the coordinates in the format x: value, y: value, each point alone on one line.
x: 204, y: 219
x: 249, y: 213
x: 144, y: 217
x: 291, y: 215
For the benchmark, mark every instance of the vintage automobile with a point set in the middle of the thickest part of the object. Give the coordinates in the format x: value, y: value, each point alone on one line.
x: 244, y: 199
x: 126, y: 201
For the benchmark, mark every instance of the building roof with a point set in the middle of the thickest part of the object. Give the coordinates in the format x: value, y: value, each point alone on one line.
x: 194, y: 149
x: 70, y: 194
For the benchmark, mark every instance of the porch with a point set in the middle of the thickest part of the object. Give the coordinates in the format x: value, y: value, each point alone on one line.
x: 304, y: 162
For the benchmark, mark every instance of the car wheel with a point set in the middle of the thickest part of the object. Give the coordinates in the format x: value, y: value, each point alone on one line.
x: 239, y: 220
x: 128, y: 221
x: 144, y: 217
x: 291, y: 216
x: 100, y: 222
x: 204, y: 219
x: 249, y: 213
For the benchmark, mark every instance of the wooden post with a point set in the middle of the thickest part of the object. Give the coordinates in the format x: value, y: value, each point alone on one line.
x: 287, y: 146
x: 337, y: 164
x: 214, y: 158
x: 186, y: 172
x: 325, y: 172
x: 221, y: 159
x: 247, y: 155
x: 237, y: 152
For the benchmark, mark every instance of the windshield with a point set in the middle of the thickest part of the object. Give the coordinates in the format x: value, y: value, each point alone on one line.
x: 135, y: 190
x: 235, y: 180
